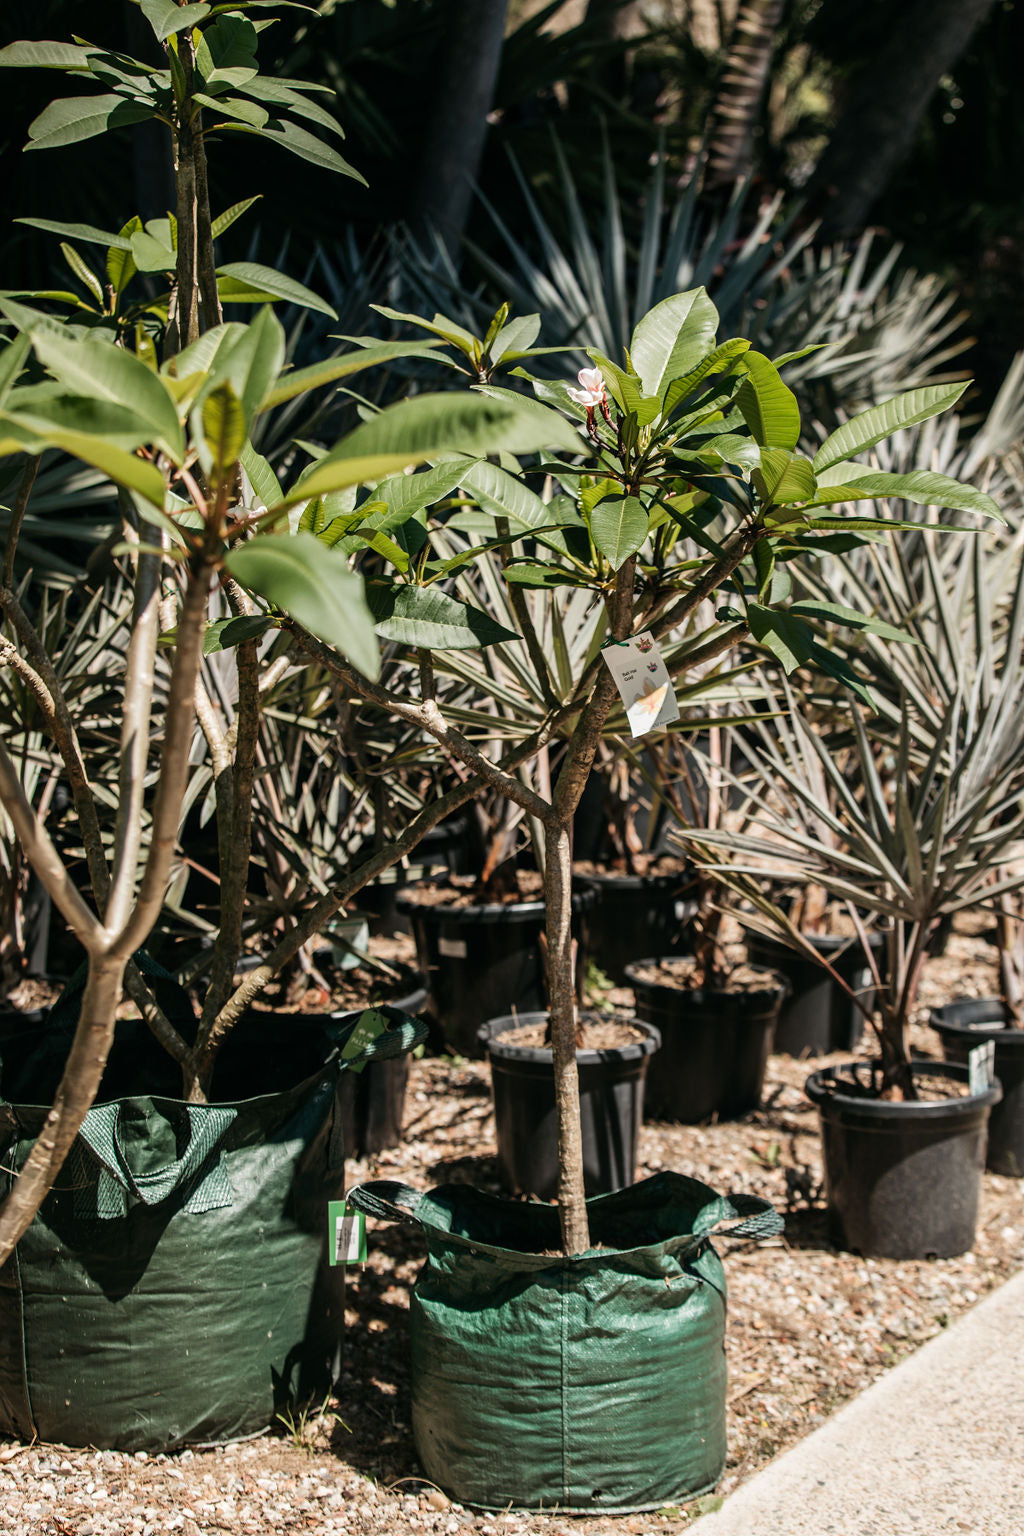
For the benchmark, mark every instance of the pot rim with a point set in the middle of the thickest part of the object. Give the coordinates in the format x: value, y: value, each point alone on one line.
x: 820, y: 1089
x: 982, y: 1027
x: 705, y: 994
x: 490, y: 1031
x: 487, y: 912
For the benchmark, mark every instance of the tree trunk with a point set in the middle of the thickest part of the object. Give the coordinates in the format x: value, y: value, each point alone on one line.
x: 884, y: 105
x: 454, y: 138
x: 737, y: 106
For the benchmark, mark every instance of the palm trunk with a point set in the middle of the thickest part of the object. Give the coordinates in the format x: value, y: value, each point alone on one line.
x: 736, y: 110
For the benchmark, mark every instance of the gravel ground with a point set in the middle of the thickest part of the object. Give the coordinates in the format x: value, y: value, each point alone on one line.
x: 808, y: 1329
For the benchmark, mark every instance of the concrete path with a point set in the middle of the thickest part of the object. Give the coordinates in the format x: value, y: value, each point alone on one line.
x: 935, y: 1446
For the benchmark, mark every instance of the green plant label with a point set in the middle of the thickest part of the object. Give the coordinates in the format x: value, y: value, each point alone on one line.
x: 642, y: 679
x: 346, y: 1234
x: 371, y: 1023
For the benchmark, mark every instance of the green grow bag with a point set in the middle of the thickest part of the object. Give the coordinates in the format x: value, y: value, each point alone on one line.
x: 595, y: 1382
x: 174, y: 1287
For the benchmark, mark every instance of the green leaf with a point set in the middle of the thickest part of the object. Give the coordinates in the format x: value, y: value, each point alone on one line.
x: 45, y: 55
x: 121, y: 266
x: 881, y: 421
x: 87, y: 232
x: 428, y: 425
x: 672, y: 338
x: 81, y: 269
x: 836, y: 613
x: 768, y: 406
x: 222, y: 634
x: 528, y: 574
x: 95, y: 368
x: 151, y: 254
x: 123, y: 468
x: 13, y: 356
x: 783, y: 477
x: 235, y: 107
x: 74, y: 118
x: 626, y: 390
x: 250, y: 360
x: 289, y: 136
x: 331, y: 368
x: 618, y: 527
x: 409, y: 494
x: 505, y: 495
x: 223, y: 429
x: 516, y: 338
x: 227, y: 48
x: 167, y: 17
x: 225, y: 220
x: 433, y: 621
x: 246, y: 282
x: 261, y: 477
x: 718, y: 361
x: 439, y: 326
x: 788, y: 638
x: 921, y: 486
x: 315, y: 586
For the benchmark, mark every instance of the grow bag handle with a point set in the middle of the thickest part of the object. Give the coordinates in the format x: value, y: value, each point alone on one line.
x: 387, y: 1199
x: 375, y: 1034
x: 200, y: 1128
x: 761, y: 1219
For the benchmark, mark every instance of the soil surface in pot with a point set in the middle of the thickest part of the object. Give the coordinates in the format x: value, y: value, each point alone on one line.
x: 809, y: 1328
x: 682, y: 973
x: 598, y: 1035
x: 663, y: 866
x: 396, y: 977
x: 465, y: 891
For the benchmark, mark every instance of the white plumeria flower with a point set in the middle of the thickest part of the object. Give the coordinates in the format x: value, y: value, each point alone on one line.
x: 591, y: 393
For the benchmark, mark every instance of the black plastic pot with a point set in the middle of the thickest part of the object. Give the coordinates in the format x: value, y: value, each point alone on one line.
x: 481, y: 961
x: 714, y: 1047
x: 970, y: 1022
x: 633, y: 915
x: 817, y: 1017
x: 902, y: 1178
x: 611, y: 1109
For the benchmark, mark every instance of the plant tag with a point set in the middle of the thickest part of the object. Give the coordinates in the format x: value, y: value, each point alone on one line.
x: 371, y: 1024
x: 346, y: 1234
x: 643, y: 682
x: 455, y: 949
x: 981, y: 1063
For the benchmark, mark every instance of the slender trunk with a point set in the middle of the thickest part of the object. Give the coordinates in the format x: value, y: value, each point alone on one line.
x: 183, y: 318
x: 884, y: 105
x: 454, y: 140
x: 736, y: 110
x: 572, y: 1206
x: 75, y: 1095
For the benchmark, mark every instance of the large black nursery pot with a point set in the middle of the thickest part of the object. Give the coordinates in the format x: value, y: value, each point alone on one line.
x: 526, y: 1122
x: 903, y: 1178
x: 175, y: 1287
x: 974, y: 1021
x: 818, y: 1017
x: 481, y: 961
x: 714, y: 1046
x: 593, y: 1383
x: 635, y: 915
x: 373, y: 1100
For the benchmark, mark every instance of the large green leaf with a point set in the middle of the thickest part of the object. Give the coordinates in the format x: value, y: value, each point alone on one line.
x: 429, y: 425
x: 45, y: 55
x: 266, y: 88
x: 123, y: 468
x: 718, y: 361
x: 95, y: 368
x: 618, y: 526
x: 331, y: 368
x: 506, y: 495
x: 789, y: 639
x: 247, y: 282
x: 849, y: 618
x: 768, y: 406
x: 672, y: 338
x: 250, y: 360
x: 167, y: 17
x: 881, y: 421
x: 87, y: 232
x: 406, y: 495
x: 303, y: 144
x: 261, y: 476
x: 921, y: 486
x: 783, y: 477
x: 223, y: 422
x: 73, y: 118
x: 430, y: 620
x: 315, y: 586
x: 626, y: 390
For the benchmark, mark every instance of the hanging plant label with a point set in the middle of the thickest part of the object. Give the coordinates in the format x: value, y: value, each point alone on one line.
x: 455, y: 949
x: 346, y: 1234
x: 642, y: 679
x: 981, y: 1064
x: 371, y: 1023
